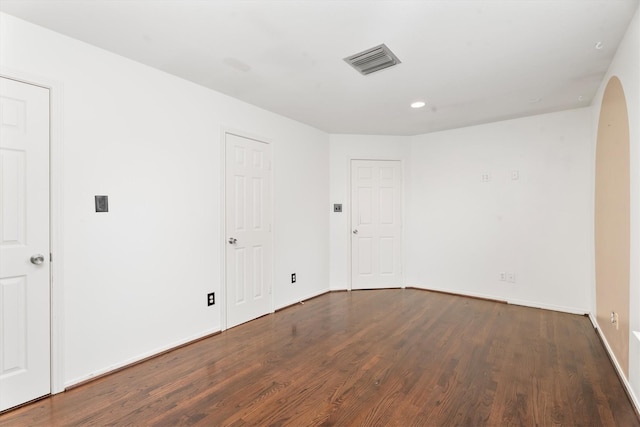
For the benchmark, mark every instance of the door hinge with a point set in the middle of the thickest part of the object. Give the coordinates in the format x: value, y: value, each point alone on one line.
x: 50, y: 257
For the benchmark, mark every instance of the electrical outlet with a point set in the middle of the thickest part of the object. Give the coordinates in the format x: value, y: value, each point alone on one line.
x: 503, y: 276
x: 511, y: 277
x: 293, y: 277
x: 211, y: 299
x: 614, y: 319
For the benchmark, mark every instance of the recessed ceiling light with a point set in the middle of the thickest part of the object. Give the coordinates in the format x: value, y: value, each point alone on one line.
x: 598, y: 45
x: 418, y: 104
x: 534, y: 100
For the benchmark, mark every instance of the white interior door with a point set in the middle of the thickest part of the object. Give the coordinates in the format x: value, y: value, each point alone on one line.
x: 248, y: 229
x: 376, y: 224
x: 24, y: 243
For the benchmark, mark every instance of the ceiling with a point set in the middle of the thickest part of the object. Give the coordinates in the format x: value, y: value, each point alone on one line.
x: 472, y: 62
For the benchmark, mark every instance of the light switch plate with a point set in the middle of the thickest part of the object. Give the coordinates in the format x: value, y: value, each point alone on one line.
x: 102, y: 203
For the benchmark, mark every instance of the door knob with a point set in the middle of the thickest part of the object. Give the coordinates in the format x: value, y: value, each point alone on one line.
x: 37, y: 259
x: 355, y: 231
x: 233, y: 240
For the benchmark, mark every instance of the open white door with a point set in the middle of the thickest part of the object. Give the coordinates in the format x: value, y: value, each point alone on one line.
x: 24, y: 243
x: 376, y: 224
x: 248, y: 229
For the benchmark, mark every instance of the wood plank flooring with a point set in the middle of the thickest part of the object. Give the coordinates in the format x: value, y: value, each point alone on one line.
x: 365, y: 358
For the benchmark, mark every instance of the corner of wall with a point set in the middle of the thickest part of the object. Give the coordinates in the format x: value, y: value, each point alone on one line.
x: 626, y: 66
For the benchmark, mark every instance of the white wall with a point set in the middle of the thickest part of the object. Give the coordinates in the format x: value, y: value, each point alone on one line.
x: 135, y: 278
x: 343, y: 149
x: 301, y: 220
x: 626, y: 66
x: 462, y: 232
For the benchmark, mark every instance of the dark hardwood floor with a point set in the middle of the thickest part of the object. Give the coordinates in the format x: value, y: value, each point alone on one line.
x: 365, y: 358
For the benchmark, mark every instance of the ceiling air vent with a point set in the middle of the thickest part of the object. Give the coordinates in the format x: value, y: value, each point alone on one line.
x: 372, y: 60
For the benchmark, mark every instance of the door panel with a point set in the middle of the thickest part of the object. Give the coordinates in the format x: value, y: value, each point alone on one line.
x: 365, y: 256
x: 376, y: 215
x: 248, y: 225
x: 24, y: 232
x: 387, y: 255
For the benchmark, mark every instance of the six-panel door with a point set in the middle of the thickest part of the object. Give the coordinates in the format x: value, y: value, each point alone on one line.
x: 248, y: 229
x: 376, y: 224
x: 24, y: 243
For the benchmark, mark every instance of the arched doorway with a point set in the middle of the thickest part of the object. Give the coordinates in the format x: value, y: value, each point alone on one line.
x: 612, y: 219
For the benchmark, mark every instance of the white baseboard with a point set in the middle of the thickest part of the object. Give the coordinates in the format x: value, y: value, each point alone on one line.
x: 560, y: 308
x: 339, y: 287
x: 594, y: 322
x: 304, y: 298
x: 458, y: 292
x: 138, y: 358
x: 616, y: 365
x: 524, y: 303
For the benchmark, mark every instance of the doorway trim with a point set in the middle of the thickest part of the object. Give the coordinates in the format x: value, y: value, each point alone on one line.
x: 56, y: 218
x: 612, y: 219
x: 227, y: 130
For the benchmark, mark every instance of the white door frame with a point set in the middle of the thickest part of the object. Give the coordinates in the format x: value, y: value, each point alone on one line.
x: 350, y: 225
x: 223, y: 216
x: 56, y: 282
